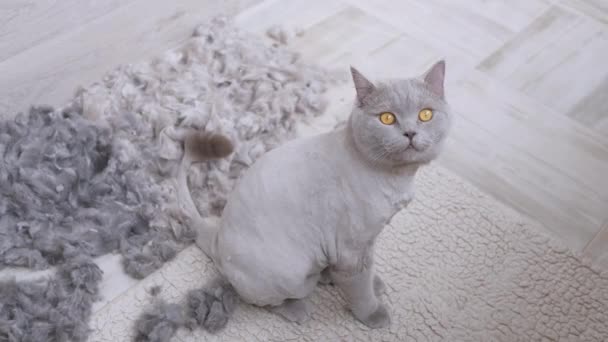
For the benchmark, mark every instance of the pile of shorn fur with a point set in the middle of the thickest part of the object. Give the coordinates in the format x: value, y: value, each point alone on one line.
x: 97, y: 176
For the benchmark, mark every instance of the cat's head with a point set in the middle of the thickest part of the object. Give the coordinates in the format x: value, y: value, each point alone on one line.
x: 400, y: 122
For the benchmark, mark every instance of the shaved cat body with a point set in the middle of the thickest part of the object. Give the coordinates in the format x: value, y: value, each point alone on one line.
x: 316, y: 204
x: 313, y: 207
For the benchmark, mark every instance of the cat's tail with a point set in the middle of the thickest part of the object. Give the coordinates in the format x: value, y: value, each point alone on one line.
x: 212, y: 305
x: 199, y: 147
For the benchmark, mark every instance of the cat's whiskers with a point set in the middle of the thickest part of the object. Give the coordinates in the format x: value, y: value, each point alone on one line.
x: 377, y: 157
x: 386, y: 150
x: 396, y: 146
x: 393, y: 147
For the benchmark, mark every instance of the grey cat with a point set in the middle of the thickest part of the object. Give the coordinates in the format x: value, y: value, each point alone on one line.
x: 309, y: 211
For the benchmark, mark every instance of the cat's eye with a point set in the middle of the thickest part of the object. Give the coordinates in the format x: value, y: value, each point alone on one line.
x: 425, y: 115
x: 387, y: 118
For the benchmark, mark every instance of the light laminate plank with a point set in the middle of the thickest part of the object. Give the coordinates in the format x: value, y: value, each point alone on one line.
x: 560, y: 59
x: 26, y: 23
x: 602, y: 126
x: 331, y: 34
x: 49, y: 72
x: 597, y: 249
x: 597, y: 9
x: 465, y: 29
x: 526, y: 155
x: 592, y: 108
x: 295, y: 16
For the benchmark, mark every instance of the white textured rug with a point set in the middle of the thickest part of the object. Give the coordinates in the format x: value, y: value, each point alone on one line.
x: 459, y: 266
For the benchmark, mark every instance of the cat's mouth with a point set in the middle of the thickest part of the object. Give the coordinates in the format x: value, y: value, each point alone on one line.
x: 412, y: 147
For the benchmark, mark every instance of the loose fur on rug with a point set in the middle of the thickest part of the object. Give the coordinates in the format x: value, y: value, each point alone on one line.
x: 96, y: 176
x: 73, y: 188
x: 50, y: 310
x: 208, y: 308
x: 159, y: 323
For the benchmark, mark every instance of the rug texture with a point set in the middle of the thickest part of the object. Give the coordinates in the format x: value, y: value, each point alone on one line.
x: 97, y: 176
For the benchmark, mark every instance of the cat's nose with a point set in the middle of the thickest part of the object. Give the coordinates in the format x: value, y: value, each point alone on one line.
x: 410, y: 134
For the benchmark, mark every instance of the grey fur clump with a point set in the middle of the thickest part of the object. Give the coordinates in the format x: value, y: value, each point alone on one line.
x: 212, y: 306
x: 160, y: 323
x: 70, y: 187
x: 209, y: 308
x: 50, y: 310
x: 155, y: 290
x: 70, y: 190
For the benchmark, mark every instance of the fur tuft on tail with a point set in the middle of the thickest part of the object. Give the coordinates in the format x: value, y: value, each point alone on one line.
x: 211, y: 306
x: 201, y: 146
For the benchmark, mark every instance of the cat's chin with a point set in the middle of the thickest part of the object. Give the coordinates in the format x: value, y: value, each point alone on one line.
x: 412, y: 156
x: 405, y: 162
x: 422, y: 155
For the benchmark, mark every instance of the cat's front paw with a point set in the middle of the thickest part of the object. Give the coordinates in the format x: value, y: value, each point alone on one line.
x: 377, y: 319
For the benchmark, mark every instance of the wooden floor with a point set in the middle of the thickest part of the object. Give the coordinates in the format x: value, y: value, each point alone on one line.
x: 527, y: 79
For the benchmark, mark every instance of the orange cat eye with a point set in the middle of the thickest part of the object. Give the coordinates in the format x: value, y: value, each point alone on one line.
x: 387, y: 118
x: 425, y: 115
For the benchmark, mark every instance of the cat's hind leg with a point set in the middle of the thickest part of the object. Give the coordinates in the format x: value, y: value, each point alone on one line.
x: 294, y: 310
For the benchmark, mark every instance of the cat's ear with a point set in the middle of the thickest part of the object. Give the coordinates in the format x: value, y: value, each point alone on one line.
x: 363, y: 86
x: 434, y: 78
